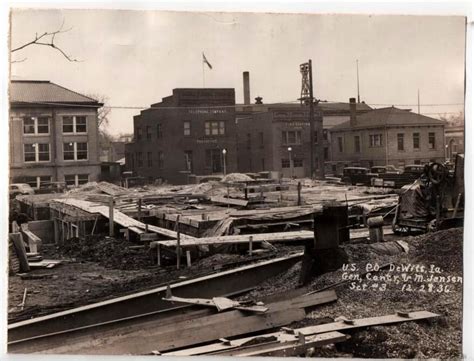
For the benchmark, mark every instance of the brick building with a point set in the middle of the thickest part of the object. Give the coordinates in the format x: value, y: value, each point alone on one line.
x: 386, y: 136
x: 53, y: 135
x: 185, y: 134
x: 277, y: 138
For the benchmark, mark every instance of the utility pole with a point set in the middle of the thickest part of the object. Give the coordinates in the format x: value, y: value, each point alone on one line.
x: 311, y: 116
x: 358, y: 93
x: 418, y: 101
x: 307, y: 97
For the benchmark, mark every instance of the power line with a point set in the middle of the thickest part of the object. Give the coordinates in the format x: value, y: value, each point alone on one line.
x: 291, y: 102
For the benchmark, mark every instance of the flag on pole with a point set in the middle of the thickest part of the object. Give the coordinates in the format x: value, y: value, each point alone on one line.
x: 204, y: 60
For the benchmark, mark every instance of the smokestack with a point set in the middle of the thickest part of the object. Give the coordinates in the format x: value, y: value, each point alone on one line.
x: 246, y: 88
x: 353, y: 111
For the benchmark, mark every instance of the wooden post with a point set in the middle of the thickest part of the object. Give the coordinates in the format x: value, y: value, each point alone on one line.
x: 188, y: 258
x: 299, y: 193
x: 146, y: 227
x: 246, y: 192
x: 178, y: 244
x: 111, y: 216
x: 250, y: 245
x: 158, y: 254
x: 139, y: 209
x: 456, y: 207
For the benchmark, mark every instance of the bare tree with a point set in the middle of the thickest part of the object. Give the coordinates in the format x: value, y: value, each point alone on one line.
x: 103, y: 112
x: 46, y: 39
x: 455, y: 120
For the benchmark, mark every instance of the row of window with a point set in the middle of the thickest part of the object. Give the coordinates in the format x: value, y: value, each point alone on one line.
x: 40, y: 152
x: 376, y: 140
x: 211, y: 128
x: 74, y: 124
x: 45, y: 181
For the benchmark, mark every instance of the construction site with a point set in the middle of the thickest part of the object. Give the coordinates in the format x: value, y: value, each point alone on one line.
x: 243, y: 265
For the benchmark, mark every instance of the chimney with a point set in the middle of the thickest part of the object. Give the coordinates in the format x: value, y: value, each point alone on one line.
x: 353, y: 111
x: 246, y: 88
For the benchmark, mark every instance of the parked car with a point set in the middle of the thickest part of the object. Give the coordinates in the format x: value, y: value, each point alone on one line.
x: 415, y: 169
x: 20, y: 188
x: 354, y: 175
x: 384, y: 169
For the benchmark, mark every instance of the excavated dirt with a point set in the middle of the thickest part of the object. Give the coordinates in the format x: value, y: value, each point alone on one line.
x: 97, y: 269
x: 437, y: 338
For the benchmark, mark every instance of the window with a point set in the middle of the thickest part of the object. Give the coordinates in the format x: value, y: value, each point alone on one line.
x: 260, y: 137
x: 297, y: 162
x: 357, y: 144
x: 70, y: 179
x: 417, y: 161
x: 161, y: 160
x: 148, y: 132
x: 68, y: 151
x: 285, y: 163
x: 214, y: 128
x: 431, y: 141
x: 375, y: 140
x: 159, y: 131
x: 400, y: 142
x: 340, y: 144
x: 140, y: 159
x: 82, y: 179
x: 75, y: 151
x: 315, y: 135
x: 74, y: 124
x: 325, y: 134
x: 36, y: 125
x: 187, y: 128
x: 138, y: 132
x: 334, y: 168
x: 75, y: 180
x: 416, y: 141
x: 188, y: 160
x: 326, y: 153
x: 290, y: 137
x: 81, y: 151
x: 149, y: 159
x: 36, y: 152
x: 38, y: 182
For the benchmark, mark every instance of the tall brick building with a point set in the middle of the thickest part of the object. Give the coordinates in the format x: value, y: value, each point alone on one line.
x: 53, y: 135
x: 387, y: 136
x: 186, y: 133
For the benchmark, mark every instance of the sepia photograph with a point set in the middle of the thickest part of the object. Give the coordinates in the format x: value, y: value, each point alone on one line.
x: 206, y: 183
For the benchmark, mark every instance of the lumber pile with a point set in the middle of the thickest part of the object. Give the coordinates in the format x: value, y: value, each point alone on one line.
x: 295, y: 342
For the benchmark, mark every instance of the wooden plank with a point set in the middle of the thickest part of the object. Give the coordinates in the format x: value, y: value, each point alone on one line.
x: 310, y: 330
x: 364, y: 322
x: 287, y: 348
x: 231, y: 327
x: 233, y: 201
x: 293, y: 236
x: 20, y: 250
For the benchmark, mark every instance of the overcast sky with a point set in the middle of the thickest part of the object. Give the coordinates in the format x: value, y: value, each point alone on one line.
x: 137, y: 57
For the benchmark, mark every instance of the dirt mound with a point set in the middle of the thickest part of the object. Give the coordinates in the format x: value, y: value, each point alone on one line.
x: 443, y: 249
x: 108, y: 252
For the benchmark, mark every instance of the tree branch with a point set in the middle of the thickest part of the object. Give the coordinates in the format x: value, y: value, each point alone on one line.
x: 45, y: 35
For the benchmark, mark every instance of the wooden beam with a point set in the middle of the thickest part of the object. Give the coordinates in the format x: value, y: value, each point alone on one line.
x: 232, y: 201
x: 244, y: 239
x: 286, y: 348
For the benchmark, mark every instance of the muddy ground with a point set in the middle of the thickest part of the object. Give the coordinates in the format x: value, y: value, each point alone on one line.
x: 92, y: 271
